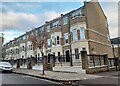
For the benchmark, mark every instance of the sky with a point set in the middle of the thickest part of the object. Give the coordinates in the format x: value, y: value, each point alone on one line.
x: 17, y: 17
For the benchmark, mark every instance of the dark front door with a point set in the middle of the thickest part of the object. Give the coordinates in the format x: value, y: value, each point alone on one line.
x: 48, y: 58
x: 67, y: 56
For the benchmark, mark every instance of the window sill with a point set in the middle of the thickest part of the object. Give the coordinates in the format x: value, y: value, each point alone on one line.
x: 81, y: 40
x: 56, y: 27
x: 66, y: 44
x: 48, y: 48
x: 58, y: 45
x: 98, y: 66
x: 76, y: 17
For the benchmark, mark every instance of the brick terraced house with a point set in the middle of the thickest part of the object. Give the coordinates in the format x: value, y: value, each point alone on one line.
x: 83, y: 29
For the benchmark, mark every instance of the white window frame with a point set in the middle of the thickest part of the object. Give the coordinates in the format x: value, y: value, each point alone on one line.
x: 76, y: 14
x: 53, y: 40
x: 48, y: 43
x: 108, y: 37
x: 75, y: 35
x: 82, y: 33
x: 66, y: 37
x: 65, y: 20
x: 57, y: 40
x: 55, y: 24
x: 48, y: 28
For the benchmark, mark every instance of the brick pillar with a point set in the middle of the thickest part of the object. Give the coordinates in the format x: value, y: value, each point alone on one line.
x: 44, y: 62
x: 106, y: 61
x: 29, y: 63
x: 33, y: 61
x: 51, y: 62
x: 84, y: 59
x: 18, y: 63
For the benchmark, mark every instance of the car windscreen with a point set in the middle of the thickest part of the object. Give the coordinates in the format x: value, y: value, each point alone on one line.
x: 5, y: 63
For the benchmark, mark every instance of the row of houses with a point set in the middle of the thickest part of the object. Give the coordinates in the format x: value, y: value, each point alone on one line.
x: 83, y: 29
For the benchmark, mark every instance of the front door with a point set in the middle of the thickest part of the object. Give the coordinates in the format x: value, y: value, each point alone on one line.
x: 67, y: 56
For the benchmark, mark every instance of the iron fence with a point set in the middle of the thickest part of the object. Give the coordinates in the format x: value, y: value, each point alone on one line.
x: 96, y: 60
x: 62, y: 60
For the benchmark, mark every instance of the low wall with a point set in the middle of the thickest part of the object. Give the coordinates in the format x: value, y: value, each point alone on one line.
x: 97, y: 69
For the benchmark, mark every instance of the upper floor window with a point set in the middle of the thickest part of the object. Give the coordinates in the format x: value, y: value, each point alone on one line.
x: 53, y: 40
x: 82, y: 33
x: 66, y: 36
x: 65, y: 20
x: 23, y: 48
x: 31, y: 33
x: 75, y: 35
x: 48, y: 42
x: 106, y: 23
x: 42, y: 28
x: 36, y: 32
x: 58, y: 40
x: 23, y: 37
x: 16, y: 50
x: 31, y: 47
x: 11, y: 51
x: 108, y: 36
x: 76, y: 14
x: 48, y: 28
x: 55, y: 24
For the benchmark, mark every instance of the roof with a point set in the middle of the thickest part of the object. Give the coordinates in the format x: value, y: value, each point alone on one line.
x: 115, y: 40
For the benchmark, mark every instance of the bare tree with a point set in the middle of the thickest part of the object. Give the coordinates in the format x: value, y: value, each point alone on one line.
x: 39, y: 41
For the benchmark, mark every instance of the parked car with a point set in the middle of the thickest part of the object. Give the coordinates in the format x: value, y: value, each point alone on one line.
x: 5, y: 66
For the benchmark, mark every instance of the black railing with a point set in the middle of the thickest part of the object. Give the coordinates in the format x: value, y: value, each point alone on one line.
x: 96, y: 60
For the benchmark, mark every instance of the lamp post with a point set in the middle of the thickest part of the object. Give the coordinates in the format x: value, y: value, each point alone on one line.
x: 71, y: 63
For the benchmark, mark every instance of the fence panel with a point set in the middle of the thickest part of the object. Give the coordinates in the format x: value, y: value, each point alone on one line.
x: 61, y: 60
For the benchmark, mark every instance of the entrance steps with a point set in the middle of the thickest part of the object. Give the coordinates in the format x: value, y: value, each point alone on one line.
x: 75, y: 69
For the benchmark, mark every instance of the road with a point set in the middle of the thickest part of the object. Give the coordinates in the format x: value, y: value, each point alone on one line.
x: 11, y: 79
x: 108, y: 79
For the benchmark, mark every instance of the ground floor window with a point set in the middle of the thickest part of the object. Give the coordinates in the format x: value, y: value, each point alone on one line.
x: 76, y: 53
x: 59, y: 59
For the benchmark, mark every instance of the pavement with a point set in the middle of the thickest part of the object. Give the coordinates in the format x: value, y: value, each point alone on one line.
x: 55, y: 75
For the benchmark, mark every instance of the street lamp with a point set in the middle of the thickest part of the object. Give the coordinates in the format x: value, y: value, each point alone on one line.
x: 71, y: 63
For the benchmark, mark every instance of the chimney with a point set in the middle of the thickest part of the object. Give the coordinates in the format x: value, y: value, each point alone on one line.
x: 61, y: 15
x: 46, y: 22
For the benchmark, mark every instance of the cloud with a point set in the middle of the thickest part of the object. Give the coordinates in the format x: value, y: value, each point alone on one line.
x: 23, y: 21
x: 56, y: 0
x: 19, y: 21
x: 47, y: 16
x: 10, y: 35
x: 13, y: 24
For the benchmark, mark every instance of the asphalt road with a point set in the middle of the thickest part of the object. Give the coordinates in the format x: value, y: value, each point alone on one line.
x: 108, y: 79
x: 11, y: 79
